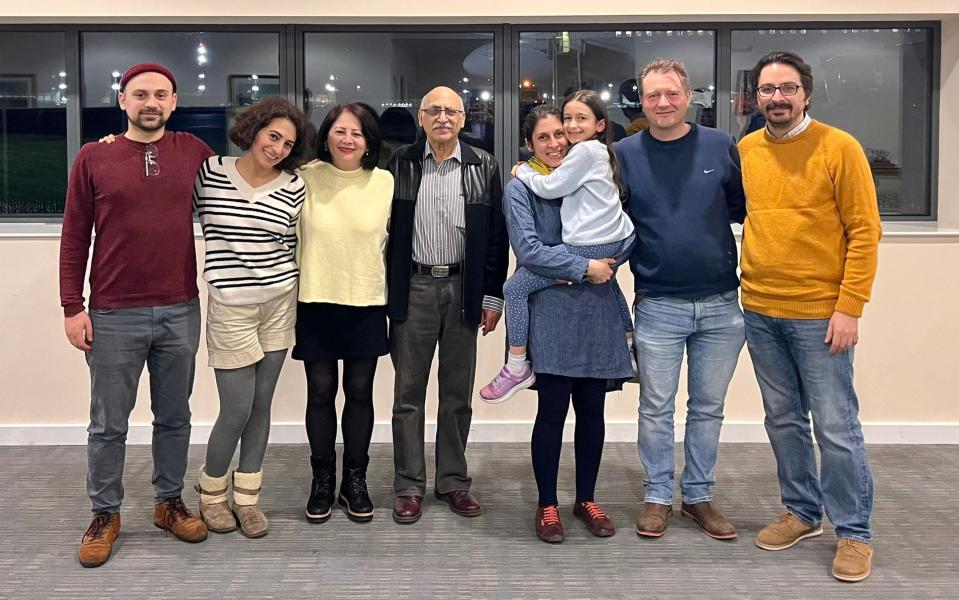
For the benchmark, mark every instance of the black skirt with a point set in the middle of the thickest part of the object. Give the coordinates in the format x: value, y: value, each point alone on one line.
x: 335, y: 331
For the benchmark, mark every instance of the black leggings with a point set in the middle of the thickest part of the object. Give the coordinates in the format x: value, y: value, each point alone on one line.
x: 321, y: 386
x: 589, y: 399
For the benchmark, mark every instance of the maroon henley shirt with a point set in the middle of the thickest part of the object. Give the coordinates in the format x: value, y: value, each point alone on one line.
x: 143, y: 252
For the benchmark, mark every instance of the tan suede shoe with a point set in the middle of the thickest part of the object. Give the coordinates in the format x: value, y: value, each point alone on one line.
x: 652, y: 521
x: 246, y: 497
x: 785, y: 532
x: 97, y: 544
x: 214, y: 508
x: 853, y: 561
x: 173, y: 516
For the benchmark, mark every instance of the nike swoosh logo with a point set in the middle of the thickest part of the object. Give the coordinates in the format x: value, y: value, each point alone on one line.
x: 708, y: 171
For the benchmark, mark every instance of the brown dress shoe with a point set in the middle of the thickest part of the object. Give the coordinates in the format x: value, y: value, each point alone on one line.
x: 853, y: 561
x: 595, y: 519
x: 97, y: 544
x: 173, y: 516
x: 548, y: 527
x: 462, y: 502
x: 653, y: 519
x: 707, y: 516
x: 408, y: 509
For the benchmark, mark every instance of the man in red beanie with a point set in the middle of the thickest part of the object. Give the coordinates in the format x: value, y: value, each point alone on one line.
x: 137, y: 194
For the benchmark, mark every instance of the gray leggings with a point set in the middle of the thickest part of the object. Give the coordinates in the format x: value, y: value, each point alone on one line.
x: 246, y: 395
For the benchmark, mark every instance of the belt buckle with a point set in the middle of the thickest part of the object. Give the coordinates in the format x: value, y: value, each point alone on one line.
x: 439, y: 271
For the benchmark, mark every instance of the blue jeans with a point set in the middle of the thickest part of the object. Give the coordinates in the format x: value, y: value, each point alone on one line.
x: 798, y: 377
x: 710, y: 330
x: 165, y: 338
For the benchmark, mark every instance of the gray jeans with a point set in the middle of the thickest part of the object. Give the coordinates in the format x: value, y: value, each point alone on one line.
x: 166, y: 339
x: 435, y: 316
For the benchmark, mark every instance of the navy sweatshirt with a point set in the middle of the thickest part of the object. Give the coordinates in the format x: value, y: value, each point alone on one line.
x: 682, y: 196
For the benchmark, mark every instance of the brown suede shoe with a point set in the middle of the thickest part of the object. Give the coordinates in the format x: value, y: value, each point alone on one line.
x: 173, y: 516
x: 707, y: 516
x: 462, y: 502
x: 785, y: 532
x: 853, y: 561
x: 548, y: 527
x: 408, y: 508
x: 653, y: 519
x: 97, y: 544
x: 594, y: 518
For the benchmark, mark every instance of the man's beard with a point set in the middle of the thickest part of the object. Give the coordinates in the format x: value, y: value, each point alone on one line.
x: 156, y: 125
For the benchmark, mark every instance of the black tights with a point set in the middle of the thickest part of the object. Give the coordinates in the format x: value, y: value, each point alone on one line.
x: 589, y: 399
x: 321, y: 386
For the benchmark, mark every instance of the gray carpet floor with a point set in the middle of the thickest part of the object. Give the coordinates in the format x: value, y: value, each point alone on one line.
x: 495, y: 555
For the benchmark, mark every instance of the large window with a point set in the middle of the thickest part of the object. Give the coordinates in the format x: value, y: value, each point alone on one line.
x: 875, y: 83
x: 392, y: 72
x: 33, y: 123
x: 553, y: 64
x: 59, y: 84
x: 217, y: 74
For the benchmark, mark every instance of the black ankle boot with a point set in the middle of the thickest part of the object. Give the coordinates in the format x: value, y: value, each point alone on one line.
x: 354, y: 495
x: 319, y: 507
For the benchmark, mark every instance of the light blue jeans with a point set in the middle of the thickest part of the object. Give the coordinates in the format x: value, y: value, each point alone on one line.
x: 710, y: 330
x: 798, y: 378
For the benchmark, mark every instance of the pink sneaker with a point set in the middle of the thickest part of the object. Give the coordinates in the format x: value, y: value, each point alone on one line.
x: 505, y: 385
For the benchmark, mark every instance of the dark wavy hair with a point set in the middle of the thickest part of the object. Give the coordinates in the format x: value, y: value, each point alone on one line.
x: 787, y: 58
x: 592, y: 100
x: 249, y: 123
x: 537, y: 114
x: 369, y: 124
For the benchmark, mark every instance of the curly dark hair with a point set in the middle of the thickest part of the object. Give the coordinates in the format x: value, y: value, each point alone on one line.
x: 369, y: 123
x: 249, y: 122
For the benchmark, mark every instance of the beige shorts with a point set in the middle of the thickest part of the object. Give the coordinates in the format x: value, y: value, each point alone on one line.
x: 237, y: 336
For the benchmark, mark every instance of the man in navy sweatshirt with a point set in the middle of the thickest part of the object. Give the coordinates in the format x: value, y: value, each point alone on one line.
x: 685, y: 188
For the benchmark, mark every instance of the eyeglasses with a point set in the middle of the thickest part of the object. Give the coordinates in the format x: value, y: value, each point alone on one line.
x: 434, y: 111
x: 787, y: 89
x: 150, y: 165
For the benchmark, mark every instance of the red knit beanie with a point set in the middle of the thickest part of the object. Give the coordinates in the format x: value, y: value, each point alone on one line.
x: 147, y: 68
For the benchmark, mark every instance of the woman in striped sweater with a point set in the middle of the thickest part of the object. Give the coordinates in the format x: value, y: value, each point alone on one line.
x: 248, y: 208
x: 341, y: 314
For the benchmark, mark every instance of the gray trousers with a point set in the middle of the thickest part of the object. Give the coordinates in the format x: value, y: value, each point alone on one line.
x: 435, y: 317
x: 165, y: 338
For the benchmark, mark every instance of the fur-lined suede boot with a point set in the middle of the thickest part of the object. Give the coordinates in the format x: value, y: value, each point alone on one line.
x: 214, y: 508
x: 246, y: 495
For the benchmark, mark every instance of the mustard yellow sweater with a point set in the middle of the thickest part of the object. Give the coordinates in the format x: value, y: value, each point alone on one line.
x: 341, y: 235
x: 811, y: 237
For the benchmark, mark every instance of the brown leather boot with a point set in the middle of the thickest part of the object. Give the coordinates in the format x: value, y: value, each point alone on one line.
x: 172, y: 515
x: 707, y: 516
x: 246, y: 497
x: 653, y: 519
x: 97, y: 544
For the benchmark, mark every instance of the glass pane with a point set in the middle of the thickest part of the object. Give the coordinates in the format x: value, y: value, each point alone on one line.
x: 873, y: 83
x: 216, y: 73
x: 33, y: 123
x: 392, y: 71
x: 555, y: 63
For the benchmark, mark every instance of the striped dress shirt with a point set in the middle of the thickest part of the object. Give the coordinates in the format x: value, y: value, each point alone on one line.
x: 439, y: 224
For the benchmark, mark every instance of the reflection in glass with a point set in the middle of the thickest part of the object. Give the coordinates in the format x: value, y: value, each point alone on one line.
x: 217, y: 74
x: 556, y: 63
x: 392, y: 71
x: 872, y: 83
x: 33, y: 123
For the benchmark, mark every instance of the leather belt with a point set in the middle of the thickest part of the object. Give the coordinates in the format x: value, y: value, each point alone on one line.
x: 438, y: 271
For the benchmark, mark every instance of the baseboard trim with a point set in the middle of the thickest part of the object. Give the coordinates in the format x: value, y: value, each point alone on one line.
x: 486, y: 431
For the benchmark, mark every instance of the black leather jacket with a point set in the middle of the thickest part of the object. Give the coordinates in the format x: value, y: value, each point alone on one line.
x: 487, y: 245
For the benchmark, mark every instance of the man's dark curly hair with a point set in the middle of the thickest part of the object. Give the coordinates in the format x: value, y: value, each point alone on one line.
x: 249, y: 122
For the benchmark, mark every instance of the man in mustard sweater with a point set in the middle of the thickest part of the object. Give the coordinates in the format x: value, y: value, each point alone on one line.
x: 810, y: 245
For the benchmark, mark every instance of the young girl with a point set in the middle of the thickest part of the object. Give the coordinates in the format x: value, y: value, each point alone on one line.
x: 594, y: 226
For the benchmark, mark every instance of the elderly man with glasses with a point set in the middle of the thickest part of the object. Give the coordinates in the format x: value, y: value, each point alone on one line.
x: 137, y: 193
x: 447, y: 261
